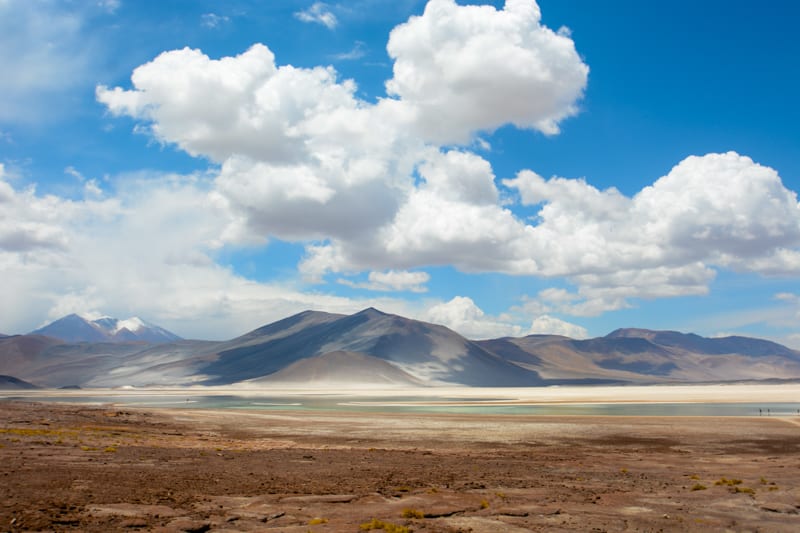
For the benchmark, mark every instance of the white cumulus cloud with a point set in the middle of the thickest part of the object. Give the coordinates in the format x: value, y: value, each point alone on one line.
x: 462, y: 315
x: 150, y: 251
x: 462, y: 69
x: 367, y: 186
x: 301, y: 157
x: 548, y: 325
x: 392, y: 280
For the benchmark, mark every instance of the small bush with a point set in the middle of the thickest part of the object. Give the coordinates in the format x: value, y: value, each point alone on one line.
x: 317, y: 521
x: 728, y: 482
x: 412, y: 513
x: 698, y: 486
x: 484, y: 504
x: 388, y: 527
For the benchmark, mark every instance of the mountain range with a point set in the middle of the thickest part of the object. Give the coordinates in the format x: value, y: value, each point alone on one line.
x: 377, y: 349
x: 76, y: 328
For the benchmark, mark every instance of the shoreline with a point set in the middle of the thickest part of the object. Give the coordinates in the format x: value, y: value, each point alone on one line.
x: 452, y: 396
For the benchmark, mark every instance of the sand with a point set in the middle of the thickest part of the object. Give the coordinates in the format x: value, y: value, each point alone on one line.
x: 106, y: 468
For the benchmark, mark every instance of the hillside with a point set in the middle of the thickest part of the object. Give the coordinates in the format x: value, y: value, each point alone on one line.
x: 12, y: 383
x: 647, y: 356
x: 427, y: 352
x: 375, y: 348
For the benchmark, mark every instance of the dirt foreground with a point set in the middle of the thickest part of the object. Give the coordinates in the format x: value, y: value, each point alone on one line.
x: 78, y: 468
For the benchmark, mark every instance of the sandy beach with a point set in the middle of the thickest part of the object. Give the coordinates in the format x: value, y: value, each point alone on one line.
x: 68, y: 467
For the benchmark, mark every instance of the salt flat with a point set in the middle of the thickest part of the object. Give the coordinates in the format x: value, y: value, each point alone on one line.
x: 716, y: 393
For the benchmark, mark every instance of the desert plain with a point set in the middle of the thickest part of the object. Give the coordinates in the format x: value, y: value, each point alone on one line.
x: 116, y: 467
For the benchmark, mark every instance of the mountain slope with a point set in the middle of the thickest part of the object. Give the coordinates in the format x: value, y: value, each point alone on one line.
x: 21, y: 353
x: 646, y: 356
x: 72, y: 328
x: 375, y: 348
x: 342, y: 367
x: 75, y: 328
x: 427, y: 352
x: 12, y: 383
x: 53, y: 363
x: 697, y: 344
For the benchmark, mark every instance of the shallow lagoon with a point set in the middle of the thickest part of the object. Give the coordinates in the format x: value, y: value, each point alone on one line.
x: 418, y: 404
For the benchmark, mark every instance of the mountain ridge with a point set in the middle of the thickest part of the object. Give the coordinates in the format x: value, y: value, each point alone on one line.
x: 415, y: 347
x: 77, y: 328
x: 381, y: 348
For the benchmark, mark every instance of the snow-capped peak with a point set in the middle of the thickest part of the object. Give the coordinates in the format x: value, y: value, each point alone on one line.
x: 131, y: 324
x: 94, y: 327
x: 93, y: 316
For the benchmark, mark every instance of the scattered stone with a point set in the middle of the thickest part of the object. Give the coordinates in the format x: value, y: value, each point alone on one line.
x: 189, y: 526
x: 133, y: 510
x: 779, y: 508
x: 324, y: 498
x: 134, y: 523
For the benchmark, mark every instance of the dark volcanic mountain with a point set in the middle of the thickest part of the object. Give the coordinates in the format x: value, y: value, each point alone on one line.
x: 75, y: 328
x: 12, y: 383
x: 375, y: 348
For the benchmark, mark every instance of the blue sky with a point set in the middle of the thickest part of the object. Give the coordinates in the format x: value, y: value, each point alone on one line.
x: 567, y: 166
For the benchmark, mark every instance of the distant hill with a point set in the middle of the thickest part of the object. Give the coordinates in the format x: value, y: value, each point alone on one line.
x: 647, y: 356
x: 12, y: 383
x: 376, y: 348
x: 694, y: 343
x: 75, y: 328
x: 22, y: 352
x: 53, y: 363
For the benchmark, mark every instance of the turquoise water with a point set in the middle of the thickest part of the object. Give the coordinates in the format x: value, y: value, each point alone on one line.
x: 424, y: 405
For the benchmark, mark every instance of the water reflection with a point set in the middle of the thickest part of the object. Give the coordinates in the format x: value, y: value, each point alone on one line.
x: 427, y: 405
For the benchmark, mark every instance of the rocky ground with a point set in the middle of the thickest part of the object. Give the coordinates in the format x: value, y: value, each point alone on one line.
x: 80, y: 468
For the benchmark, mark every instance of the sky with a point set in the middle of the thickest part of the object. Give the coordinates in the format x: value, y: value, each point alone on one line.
x: 502, y: 168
